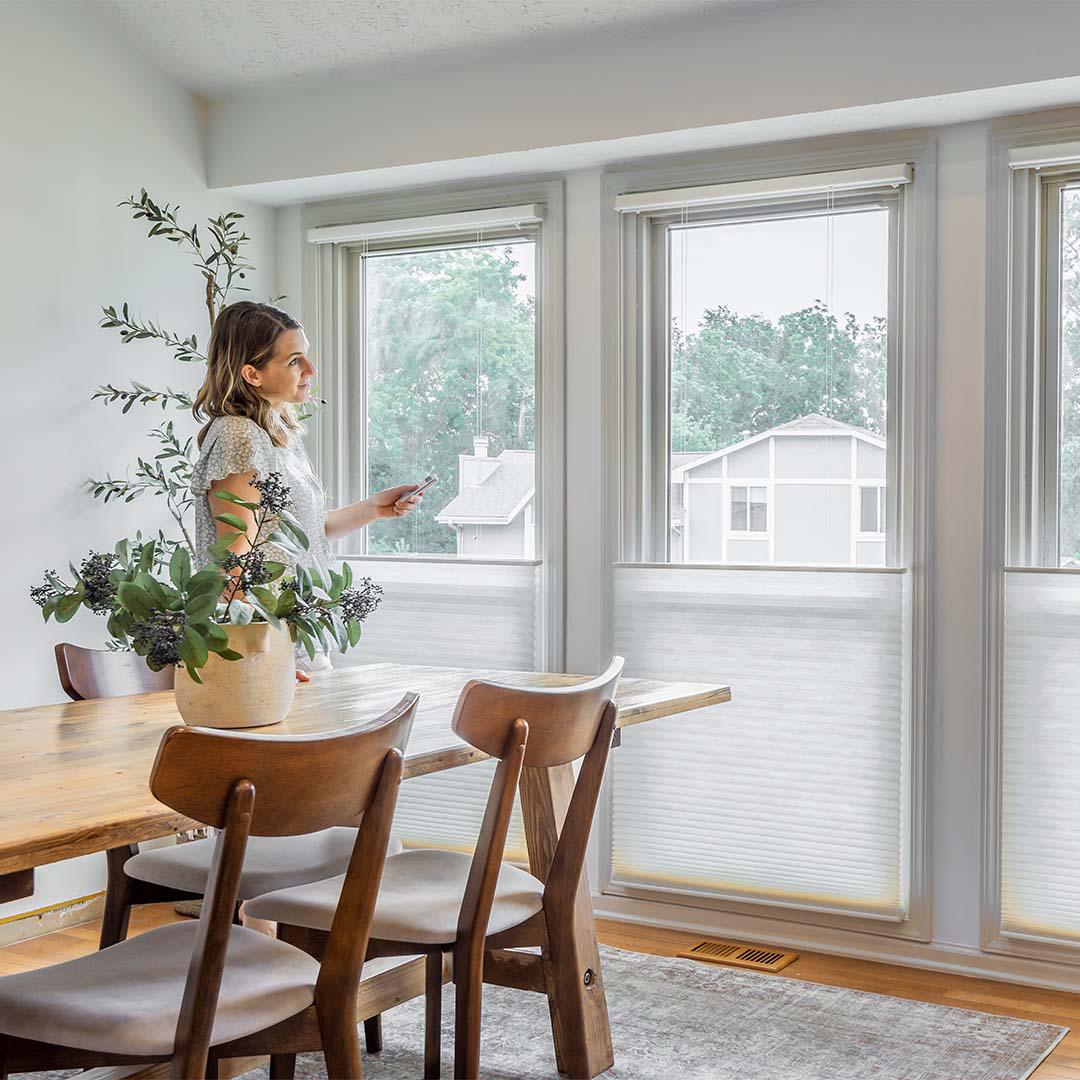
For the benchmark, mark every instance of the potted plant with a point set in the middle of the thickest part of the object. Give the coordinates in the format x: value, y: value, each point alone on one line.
x: 231, y: 626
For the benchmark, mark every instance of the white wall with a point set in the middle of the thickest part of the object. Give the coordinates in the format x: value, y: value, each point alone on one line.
x: 85, y: 122
x: 736, y: 78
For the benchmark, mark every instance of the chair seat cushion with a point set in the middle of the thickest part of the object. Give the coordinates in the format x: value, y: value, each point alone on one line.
x: 126, y: 999
x: 419, y: 899
x: 271, y: 862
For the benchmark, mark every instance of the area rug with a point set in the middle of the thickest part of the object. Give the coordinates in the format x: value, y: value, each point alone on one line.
x: 684, y: 1019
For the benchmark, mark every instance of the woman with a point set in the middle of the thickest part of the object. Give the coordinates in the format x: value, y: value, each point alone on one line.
x: 257, y: 371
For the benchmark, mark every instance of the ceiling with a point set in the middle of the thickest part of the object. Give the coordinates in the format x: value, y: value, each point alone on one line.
x: 220, y: 48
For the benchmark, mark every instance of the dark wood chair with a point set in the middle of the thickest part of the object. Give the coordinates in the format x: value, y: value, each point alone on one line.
x: 196, y: 993
x: 476, y: 907
x: 180, y: 872
x: 166, y: 875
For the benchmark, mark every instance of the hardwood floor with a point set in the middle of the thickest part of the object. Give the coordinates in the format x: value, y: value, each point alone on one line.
x: 986, y: 995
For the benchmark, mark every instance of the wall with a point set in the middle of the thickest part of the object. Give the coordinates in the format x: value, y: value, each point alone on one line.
x: 781, y: 73
x: 86, y: 122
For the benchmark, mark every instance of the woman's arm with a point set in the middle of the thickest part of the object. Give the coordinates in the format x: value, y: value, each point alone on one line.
x: 238, y: 484
x: 391, y: 503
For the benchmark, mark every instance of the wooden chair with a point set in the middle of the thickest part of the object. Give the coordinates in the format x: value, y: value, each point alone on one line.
x: 195, y: 993
x: 180, y: 872
x: 474, y: 907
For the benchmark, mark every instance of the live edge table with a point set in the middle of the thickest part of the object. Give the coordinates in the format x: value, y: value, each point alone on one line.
x: 74, y: 780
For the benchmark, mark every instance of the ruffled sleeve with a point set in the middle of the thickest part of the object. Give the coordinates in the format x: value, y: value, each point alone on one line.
x: 234, y: 444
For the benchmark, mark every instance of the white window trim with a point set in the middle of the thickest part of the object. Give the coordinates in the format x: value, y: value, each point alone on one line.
x: 748, y: 533
x: 1012, y: 515
x: 627, y: 472
x: 325, y: 285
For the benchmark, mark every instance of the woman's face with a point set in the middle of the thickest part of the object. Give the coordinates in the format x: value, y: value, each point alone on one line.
x: 285, y: 379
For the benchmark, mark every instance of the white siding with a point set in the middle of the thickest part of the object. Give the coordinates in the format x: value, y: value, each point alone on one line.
x: 813, y: 523
x: 803, y: 457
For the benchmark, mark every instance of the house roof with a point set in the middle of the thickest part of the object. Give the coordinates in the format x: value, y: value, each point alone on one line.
x: 811, y: 424
x: 500, y: 498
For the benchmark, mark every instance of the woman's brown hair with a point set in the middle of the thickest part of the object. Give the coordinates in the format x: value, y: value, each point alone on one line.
x: 244, y: 333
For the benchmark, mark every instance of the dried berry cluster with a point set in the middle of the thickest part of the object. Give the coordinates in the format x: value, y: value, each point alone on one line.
x: 361, y: 600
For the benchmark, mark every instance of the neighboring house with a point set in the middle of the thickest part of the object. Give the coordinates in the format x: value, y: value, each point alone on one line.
x: 811, y: 491
x: 494, y: 508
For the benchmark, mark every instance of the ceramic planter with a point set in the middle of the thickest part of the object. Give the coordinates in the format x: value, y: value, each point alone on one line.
x: 252, y: 692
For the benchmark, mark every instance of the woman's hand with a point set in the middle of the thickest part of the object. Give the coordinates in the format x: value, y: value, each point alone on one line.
x: 395, y: 501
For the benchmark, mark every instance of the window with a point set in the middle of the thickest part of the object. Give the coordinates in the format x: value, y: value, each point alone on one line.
x: 872, y: 509
x: 769, y: 517
x: 439, y: 333
x: 438, y: 325
x: 778, y: 342
x: 749, y: 509
x: 1033, y: 758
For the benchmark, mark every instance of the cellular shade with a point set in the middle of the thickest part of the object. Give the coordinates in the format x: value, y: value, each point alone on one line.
x: 1040, y: 756
x: 794, y: 793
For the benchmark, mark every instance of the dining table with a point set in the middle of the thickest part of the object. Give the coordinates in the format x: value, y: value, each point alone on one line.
x: 74, y: 779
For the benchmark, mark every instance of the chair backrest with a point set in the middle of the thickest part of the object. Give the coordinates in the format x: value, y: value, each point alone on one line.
x: 269, y: 785
x: 305, y: 783
x: 562, y: 720
x: 99, y: 673
x: 529, y: 729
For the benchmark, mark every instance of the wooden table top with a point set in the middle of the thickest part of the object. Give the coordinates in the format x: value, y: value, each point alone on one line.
x: 74, y: 777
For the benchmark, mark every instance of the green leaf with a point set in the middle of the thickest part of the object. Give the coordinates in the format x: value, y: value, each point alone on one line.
x: 230, y: 654
x: 214, y: 634
x: 294, y: 530
x: 346, y: 574
x: 201, y: 606
x: 210, y: 580
x: 354, y: 631
x: 233, y: 520
x: 228, y: 496
x: 274, y: 570
x: 222, y: 546
x: 48, y: 609
x: 266, y: 598
x: 303, y: 580
x: 306, y: 641
x: 146, y: 557
x: 240, y: 613
x: 135, y: 599
x: 66, y: 606
x: 198, y: 646
x: 190, y: 670
x: 286, y: 602
x: 180, y: 568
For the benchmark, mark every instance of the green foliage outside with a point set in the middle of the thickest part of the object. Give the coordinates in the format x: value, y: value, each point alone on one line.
x: 430, y: 315
x: 738, y: 375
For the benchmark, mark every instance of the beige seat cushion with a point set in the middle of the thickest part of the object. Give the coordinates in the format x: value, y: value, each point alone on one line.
x: 126, y: 999
x: 271, y: 862
x: 419, y: 899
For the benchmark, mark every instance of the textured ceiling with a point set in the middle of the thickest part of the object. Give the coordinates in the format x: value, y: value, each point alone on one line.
x: 222, y: 47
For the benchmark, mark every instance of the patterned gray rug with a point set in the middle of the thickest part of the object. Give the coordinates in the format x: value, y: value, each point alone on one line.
x: 686, y: 1019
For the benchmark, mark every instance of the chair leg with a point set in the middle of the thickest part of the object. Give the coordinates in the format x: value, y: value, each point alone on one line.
x: 469, y: 986
x: 212, y: 1069
x: 373, y: 1034
x: 433, y: 1016
x: 282, y: 1066
x: 341, y: 1047
x: 117, y: 913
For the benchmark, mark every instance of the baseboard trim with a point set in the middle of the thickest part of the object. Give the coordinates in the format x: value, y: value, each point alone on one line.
x: 930, y: 956
x: 47, y: 920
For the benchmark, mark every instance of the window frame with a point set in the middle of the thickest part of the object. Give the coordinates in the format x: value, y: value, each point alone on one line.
x: 1020, y: 527
x: 330, y: 277
x: 749, y: 532
x: 632, y: 430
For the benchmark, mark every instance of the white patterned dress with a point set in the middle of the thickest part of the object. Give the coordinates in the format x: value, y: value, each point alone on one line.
x: 235, y: 444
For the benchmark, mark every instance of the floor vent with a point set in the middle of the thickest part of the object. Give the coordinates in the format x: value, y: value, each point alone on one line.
x: 737, y: 954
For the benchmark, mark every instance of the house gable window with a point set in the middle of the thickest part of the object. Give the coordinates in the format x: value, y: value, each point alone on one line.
x: 749, y: 509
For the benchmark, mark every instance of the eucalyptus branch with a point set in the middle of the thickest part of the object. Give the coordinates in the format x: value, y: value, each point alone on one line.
x: 223, y: 260
x: 184, y: 349
x: 141, y: 394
